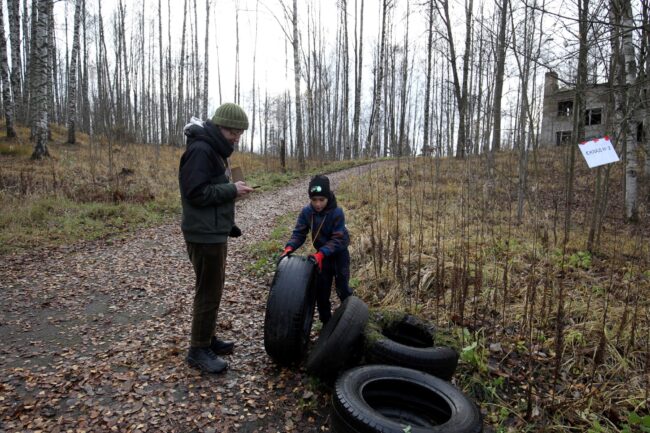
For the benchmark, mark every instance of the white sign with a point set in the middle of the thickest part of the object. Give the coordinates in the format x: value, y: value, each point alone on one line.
x: 598, y: 151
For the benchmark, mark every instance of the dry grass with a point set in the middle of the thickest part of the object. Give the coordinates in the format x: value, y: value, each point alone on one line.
x: 553, y: 337
x: 99, y: 189
x: 89, y: 190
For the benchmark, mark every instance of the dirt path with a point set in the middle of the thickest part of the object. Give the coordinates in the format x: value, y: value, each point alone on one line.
x: 94, y: 338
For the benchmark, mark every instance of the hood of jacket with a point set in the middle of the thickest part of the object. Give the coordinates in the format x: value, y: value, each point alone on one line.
x: 208, y: 132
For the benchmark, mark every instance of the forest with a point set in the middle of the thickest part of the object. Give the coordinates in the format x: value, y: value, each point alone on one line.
x: 456, y: 127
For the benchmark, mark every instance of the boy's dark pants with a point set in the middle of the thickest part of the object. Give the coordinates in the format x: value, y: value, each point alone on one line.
x: 209, y: 262
x: 335, y: 267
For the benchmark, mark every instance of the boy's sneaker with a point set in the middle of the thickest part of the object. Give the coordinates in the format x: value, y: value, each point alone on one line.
x: 205, y: 360
x: 220, y: 347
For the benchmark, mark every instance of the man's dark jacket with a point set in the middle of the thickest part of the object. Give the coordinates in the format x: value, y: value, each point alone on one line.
x: 207, y: 196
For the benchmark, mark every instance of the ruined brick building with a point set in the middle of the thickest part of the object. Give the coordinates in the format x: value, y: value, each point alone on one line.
x: 557, y: 119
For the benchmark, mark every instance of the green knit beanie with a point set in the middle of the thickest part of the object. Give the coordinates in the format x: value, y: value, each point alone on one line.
x: 230, y: 115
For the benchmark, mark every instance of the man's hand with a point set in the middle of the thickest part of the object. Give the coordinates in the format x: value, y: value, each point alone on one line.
x: 317, y: 259
x: 242, y: 188
x: 235, y: 232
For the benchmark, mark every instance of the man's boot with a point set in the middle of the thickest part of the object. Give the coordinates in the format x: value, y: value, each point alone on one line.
x: 205, y: 360
x: 220, y: 347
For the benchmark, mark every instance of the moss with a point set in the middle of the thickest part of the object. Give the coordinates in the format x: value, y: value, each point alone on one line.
x: 379, y: 320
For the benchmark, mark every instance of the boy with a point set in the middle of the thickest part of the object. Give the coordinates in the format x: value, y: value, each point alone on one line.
x: 330, y: 238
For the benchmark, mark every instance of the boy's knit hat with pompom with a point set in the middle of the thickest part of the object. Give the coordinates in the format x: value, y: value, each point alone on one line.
x: 230, y: 115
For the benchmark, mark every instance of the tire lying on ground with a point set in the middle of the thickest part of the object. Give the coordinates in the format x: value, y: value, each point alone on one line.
x: 290, y: 310
x: 409, y: 342
x: 340, y: 340
x: 390, y: 399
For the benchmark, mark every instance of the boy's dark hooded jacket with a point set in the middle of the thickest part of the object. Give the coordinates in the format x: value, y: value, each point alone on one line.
x: 207, y: 196
x: 328, y: 231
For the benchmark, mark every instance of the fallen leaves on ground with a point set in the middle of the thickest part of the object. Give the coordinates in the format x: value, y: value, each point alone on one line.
x: 95, y: 336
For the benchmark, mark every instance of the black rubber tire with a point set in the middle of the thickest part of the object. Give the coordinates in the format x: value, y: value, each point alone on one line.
x: 340, y: 340
x: 290, y: 310
x: 389, y: 399
x: 409, y: 343
x: 411, y: 331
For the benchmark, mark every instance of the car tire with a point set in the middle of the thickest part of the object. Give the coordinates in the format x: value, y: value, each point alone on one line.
x: 409, y: 343
x: 290, y: 310
x: 392, y: 399
x: 340, y: 340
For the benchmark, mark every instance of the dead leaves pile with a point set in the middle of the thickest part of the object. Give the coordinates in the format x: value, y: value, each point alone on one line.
x: 95, y: 336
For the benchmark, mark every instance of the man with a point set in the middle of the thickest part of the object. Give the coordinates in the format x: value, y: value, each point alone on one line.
x: 208, y: 199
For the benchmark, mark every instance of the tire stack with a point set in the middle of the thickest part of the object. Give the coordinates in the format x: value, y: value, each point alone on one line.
x: 404, y: 385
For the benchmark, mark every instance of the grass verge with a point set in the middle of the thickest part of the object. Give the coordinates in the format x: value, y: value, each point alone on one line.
x: 97, y: 189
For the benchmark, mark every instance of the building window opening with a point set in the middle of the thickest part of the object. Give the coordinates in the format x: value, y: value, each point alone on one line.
x: 593, y: 116
x: 565, y: 108
x: 562, y: 138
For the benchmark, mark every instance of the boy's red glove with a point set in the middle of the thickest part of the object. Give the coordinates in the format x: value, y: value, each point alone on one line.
x: 287, y: 252
x: 317, y: 259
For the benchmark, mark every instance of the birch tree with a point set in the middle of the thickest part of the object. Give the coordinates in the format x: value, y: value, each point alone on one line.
x: 85, y: 99
x: 39, y: 75
x: 53, y: 102
x: 296, y: 66
x: 499, y: 75
x: 631, y: 164
x: 358, y: 69
x: 254, y: 111
x: 72, y: 75
x: 204, y: 109
x: 345, y: 125
x: 181, y: 72
x: 161, y: 77
x: 6, y: 85
x: 523, y: 55
x: 646, y: 121
x: 427, y: 83
x: 372, y: 146
x: 13, y: 10
x: 460, y: 89
x: 402, y: 139
x: 126, y: 97
x: 578, y: 131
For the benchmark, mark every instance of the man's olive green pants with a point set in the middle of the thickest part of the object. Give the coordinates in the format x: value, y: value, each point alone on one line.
x: 209, y: 262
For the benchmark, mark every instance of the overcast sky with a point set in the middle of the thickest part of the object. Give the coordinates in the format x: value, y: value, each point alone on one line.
x: 273, y: 73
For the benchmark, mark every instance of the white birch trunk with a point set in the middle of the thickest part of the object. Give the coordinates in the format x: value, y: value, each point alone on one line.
x: 358, y: 68
x: 13, y: 10
x: 6, y: 85
x: 372, y: 146
x: 72, y: 76
x: 427, y: 85
x: 631, y: 167
x: 204, y: 109
x: 646, y: 138
x: 296, y: 67
x: 181, y: 80
x: 39, y: 75
x: 161, y: 78
x: 345, y: 122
